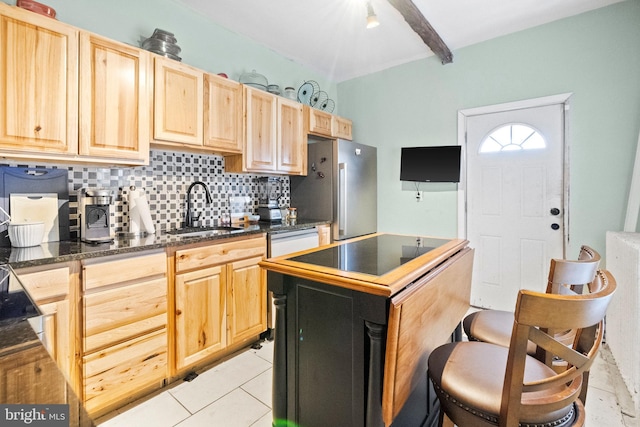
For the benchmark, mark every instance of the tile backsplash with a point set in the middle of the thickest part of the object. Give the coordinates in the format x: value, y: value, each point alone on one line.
x: 165, y: 182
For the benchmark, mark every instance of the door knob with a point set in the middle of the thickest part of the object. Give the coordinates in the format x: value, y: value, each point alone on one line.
x: 555, y: 211
x: 555, y: 226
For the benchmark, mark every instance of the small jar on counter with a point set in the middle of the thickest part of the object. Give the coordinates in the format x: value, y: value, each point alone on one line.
x: 292, y: 216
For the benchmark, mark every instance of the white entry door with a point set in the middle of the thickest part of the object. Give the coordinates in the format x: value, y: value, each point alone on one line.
x: 515, y: 201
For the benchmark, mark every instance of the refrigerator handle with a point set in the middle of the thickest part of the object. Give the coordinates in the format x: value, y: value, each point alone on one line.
x: 342, y: 199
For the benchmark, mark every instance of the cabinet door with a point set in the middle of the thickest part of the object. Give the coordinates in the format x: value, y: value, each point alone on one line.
x: 222, y: 114
x: 50, y: 288
x: 38, y: 83
x: 342, y: 128
x: 326, y: 374
x: 200, y: 315
x: 246, y: 299
x: 114, y: 99
x: 21, y: 369
x: 57, y: 336
x: 178, y: 102
x: 320, y: 122
x: 260, y: 128
x: 292, y: 144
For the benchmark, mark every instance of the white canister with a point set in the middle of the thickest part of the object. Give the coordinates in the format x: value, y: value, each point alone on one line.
x: 290, y: 93
x: 26, y: 234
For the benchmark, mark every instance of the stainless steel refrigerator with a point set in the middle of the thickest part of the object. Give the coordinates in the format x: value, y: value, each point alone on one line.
x: 340, y: 186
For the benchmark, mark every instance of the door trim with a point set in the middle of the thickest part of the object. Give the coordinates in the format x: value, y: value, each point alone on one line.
x: 463, y: 115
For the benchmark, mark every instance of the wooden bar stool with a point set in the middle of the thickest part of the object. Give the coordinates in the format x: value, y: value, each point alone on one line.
x: 494, y: 326
x: 482, y: 384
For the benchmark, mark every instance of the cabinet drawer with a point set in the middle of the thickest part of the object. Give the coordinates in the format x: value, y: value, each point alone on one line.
x: 46, y: 284
x: 103, y: 273
x: 188, y: 259
x: 113, y: 374
x: 121, y: 313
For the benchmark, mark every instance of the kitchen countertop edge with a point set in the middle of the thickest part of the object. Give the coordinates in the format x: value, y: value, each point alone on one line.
x: 74, y: 250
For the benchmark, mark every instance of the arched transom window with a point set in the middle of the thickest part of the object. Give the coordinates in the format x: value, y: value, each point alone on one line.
x: 512, y: 137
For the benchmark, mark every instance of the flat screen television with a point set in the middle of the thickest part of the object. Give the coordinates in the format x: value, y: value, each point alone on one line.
x: 430, y: 164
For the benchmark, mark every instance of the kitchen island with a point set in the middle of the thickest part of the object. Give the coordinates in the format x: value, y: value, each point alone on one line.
x: 355, y: 323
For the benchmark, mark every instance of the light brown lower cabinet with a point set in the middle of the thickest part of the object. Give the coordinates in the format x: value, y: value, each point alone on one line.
x: 118, y: 330
x: 52, y: 288
x: 200, y: 315
x: 115, y: 374
x: 21, y: 369
x: 124, y: 328
x: 246, y: 299
x: 324, y: 234
x: 220, y: 299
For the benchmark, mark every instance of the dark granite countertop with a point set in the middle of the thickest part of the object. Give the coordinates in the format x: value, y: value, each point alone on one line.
x: 20, y: 348
x: 53, y: 252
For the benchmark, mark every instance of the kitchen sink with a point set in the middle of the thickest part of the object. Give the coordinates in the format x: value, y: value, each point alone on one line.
x: 204, y: 231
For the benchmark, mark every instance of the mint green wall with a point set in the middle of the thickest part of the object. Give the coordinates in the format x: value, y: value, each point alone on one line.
x: 204, y: 45
x: 596, y: 56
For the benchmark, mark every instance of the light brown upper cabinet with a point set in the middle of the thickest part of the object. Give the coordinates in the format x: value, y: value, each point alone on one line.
x: 178, y: 103
x: 261, y: 110
x: 342, y: 128
x: 291, y: 143
x: 318, y: 122
x: 52, y: 111
x: 275, y: 141
x: 114, y: 99
x: 38, y: 83
x: 325, y: 124
x: 195, y: 110
x: 222, y: 114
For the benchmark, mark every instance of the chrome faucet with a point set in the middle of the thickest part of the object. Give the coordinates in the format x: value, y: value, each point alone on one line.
x: 189, y: 219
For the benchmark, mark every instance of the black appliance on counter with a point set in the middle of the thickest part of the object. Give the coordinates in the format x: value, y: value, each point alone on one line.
x: 37, y: 180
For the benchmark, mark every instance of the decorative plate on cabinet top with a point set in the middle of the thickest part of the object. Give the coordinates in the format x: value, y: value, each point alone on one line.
x: 36, y: 7
x: 305, y: 93
x: 254, y: 79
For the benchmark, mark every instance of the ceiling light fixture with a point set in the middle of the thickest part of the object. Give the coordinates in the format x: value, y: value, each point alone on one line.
x: 372, y: 19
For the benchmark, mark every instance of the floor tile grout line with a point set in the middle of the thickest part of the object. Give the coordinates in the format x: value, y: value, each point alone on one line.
x: 608, y: 366
x: 240, y: 386
x: 224, y: 395
x: 185, y: 408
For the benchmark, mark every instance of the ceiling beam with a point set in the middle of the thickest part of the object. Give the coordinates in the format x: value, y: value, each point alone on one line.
x: 421, y: 26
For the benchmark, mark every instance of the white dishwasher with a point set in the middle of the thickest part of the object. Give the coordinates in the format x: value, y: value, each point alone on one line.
x: 288, y: 242
x: 284, y: 243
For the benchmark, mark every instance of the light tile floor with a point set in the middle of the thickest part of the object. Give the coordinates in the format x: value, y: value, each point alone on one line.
x: 237, y: 393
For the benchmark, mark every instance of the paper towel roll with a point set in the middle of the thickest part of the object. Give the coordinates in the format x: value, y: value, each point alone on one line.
x: 139, y: 213
x: 134, y: 215
x: 144, y: 213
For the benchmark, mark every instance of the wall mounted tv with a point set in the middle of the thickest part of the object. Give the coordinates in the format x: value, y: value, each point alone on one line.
x: 430, y: 164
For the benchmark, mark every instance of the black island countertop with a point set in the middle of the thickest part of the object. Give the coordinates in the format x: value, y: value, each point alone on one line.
x: 63, y: 251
